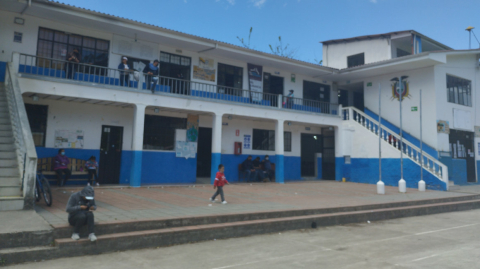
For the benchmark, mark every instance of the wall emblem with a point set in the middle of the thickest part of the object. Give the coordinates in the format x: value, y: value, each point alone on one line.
x: 397, y: 92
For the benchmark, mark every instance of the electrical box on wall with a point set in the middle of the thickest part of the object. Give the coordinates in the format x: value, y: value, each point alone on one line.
x: 238, y: 148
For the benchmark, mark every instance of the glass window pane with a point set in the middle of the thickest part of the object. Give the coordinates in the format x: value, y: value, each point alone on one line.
x: 101, y: 58
x: 174, y: 59
x: 89, y: 42
x: 59, y: 51
x: 88, y: 56
x: 44, y: 49
x: 75, y: 40
x: 45, y: 34
x: 186, y: 61
x: 61, y: 37
x: 164, y: 57
x: 102, y: 45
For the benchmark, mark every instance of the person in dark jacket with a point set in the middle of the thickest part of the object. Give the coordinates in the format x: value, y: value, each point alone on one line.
x: 60, y: 166
x: 256, y: 164
x: 267, y: 168
x: 73, y: 59
x: 249, y: 170
x: 151, y: 73
x: 80, y: 209
x: 125, y: 72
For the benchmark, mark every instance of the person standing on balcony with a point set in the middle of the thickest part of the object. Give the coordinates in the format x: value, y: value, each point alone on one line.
x: 60, y: 166
x: 73, y: 59
x: 290, y: 97
x: 151, y: 75
x: 124, y: 73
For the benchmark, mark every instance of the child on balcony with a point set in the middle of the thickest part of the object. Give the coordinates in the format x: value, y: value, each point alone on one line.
x: 220, y: 181
x: 92, y: 167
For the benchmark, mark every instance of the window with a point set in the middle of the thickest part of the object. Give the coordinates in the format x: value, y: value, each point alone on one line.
x: 159, y: 132
x: 56, y: 44
x: 356, y: 60
x: 37, y: 117
x: 230, y: 76
x: 263, y: 139
x: 459, y: 91
x: 287, y: 141
x: 17, y: 37
x: 174, y: 66
x: 315, y: 91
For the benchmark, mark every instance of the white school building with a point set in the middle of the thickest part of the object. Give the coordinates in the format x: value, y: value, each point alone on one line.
x: 215, y: 102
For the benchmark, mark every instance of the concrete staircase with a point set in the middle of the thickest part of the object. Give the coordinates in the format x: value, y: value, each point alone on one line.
x: 127, y: 235
x: 11, y: 197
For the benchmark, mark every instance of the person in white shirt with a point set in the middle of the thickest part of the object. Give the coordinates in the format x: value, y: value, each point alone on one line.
x: 125, y: 72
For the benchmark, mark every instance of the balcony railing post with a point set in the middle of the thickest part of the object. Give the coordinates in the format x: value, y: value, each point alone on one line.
x: 280, y: 100
x: 339, y: 112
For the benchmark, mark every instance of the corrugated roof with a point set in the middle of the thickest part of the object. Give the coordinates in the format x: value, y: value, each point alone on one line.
x: 81, y: 9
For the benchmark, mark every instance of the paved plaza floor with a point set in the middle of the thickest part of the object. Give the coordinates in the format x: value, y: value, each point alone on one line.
x: 117, y: 203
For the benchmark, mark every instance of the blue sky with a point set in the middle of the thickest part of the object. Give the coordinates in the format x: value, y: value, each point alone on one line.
x: 301, y: 23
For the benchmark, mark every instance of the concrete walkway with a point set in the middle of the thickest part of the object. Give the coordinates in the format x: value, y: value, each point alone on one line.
x: 116, y: 203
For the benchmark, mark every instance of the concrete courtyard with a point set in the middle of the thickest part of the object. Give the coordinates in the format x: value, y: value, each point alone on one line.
x: 156, y: 202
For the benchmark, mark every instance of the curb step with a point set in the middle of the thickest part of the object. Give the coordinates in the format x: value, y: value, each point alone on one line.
x: 64, y: 246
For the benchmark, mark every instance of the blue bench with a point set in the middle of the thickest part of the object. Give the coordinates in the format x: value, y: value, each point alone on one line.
x: 42, y: 71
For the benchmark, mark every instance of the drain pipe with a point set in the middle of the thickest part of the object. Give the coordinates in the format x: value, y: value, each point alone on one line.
x: 216, y: 46
x: 29, y: 4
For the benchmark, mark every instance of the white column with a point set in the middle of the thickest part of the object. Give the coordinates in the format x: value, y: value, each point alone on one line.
x: 216, y: 145
x: 279, y: 152
x: 137, y: 145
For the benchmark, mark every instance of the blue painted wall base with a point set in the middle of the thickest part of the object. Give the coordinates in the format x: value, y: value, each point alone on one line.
x: 279, y: 169
x: 136, y: 169
x: 216, y: 161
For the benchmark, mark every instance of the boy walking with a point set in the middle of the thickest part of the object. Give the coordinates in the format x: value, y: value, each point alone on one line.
x: 218, y: 184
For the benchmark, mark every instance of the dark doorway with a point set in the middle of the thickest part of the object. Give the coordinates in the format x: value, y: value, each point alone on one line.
x: 272, y: 85
x: 204, y: 152
x: 358, y: 101
x: 310, y: 145
x: 316, y: 91
x: 328, y: 154
x: 343, y: 98
x: 175, y: 70
x: 462, y: 147
x: 110, y: 154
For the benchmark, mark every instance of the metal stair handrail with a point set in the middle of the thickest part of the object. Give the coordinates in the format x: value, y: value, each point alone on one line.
x: 430, y: 164
x: 24, y: 144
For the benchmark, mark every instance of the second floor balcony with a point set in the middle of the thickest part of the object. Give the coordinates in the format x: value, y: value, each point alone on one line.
x: 114, y: 79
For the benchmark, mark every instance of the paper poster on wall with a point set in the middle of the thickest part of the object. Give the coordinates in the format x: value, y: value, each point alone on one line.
x: 477, y: 131
x: 192, y: 128
x: 246, y: 141
x: 205, y: 63
x: 255, y: 82
x: 68, y: 139
x: 443, y: 127
x: 185, y: 149
x: 203, y: 74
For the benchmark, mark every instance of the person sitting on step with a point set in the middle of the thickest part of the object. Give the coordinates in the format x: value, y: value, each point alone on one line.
x: 80, y: 207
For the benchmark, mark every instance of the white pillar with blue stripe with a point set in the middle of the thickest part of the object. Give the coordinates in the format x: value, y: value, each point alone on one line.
x: 279, y: 151
x: 137, y: 145
x: 216, y: 145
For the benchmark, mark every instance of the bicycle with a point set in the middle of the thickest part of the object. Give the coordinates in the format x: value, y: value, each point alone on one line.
x: 43, y: 188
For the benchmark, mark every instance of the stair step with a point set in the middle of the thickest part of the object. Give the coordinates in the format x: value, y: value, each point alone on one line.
x: 6, y: 133
x: 8, y: 163
x: 11, y: 203
x: 4, y: 120
x: 7, y: 147
x: 10, y: 191
x: 10, y: 182
x: 6, y: 140
x: 9, y: 172
x: 28, y: 254
x: 5, y: 127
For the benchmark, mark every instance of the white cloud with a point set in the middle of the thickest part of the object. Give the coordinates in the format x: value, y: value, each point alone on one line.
x: 185, y: 1
x: 373, y: 1
x: 258, y: 3
x: 231, y: 2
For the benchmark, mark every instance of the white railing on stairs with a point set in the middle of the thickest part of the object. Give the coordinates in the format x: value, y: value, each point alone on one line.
x: 25, y: 147
x: 411, y: 151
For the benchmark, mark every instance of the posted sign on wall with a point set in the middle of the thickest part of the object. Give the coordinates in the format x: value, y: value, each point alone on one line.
x: 246, y: 141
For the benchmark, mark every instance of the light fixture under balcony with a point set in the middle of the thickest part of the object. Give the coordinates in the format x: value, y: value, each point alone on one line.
x: 35, y: 97
x: 156, y: 110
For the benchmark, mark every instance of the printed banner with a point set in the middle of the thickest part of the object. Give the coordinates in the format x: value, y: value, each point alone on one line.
x: 192, y: 128
x: 246, y: 141
x: 443, y: 127
x: 255, y: 81
x: 185, y: 149
x: 203, y: 73
x: 69, y: 139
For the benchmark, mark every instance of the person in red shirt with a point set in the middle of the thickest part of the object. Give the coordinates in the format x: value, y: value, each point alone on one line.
x: 218, y: 184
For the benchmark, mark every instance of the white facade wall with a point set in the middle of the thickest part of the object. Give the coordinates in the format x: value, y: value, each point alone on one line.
x: 335, y: 55
x: 465, y: 67
x: 89, y: 118
x: 418, y: 79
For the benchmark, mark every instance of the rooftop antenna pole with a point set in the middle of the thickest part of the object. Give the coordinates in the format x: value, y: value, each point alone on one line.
x: 469, y: 29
